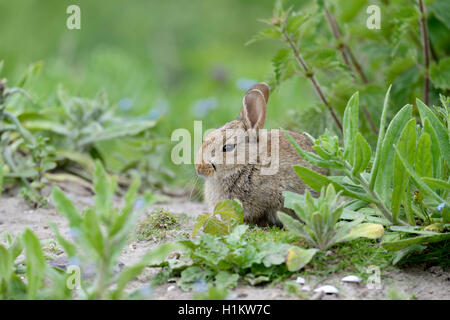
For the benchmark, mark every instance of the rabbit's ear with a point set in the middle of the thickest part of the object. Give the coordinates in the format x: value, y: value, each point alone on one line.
x: 253, y: 112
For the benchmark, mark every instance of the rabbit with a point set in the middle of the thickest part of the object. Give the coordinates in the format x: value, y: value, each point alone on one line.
x: 260, y: 193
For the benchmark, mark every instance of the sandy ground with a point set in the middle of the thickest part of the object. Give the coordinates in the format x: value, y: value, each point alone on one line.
x: 413, y: 283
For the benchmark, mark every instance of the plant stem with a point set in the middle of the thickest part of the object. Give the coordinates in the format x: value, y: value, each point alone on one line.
x: 347, y: 54
x: 425, y: 45
x: 312, y: 78
x: 379, y: 203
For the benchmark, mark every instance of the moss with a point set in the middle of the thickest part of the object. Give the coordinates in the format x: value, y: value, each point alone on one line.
x: 155, y: 227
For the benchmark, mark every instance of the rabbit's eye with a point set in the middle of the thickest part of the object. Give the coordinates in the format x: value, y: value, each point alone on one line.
x: 228, y: 147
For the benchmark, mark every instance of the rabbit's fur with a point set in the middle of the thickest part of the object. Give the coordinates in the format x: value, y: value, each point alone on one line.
x: 260, y: 194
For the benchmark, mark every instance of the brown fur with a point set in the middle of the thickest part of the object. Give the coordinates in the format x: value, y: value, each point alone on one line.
x: 260, y: 195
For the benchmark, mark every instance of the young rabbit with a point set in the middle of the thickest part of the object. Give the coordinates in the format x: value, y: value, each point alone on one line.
x: 241, y: 161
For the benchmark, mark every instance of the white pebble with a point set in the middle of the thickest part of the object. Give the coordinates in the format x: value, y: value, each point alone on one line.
x: 351, y: 278
x: 327, y: 289
x: 300, y: 280
x: 170, y: 288
x: 306, y: 288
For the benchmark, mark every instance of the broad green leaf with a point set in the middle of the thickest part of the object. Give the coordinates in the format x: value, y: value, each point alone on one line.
x: 296, y: 20
x: 424, y: 156
x: 312, y: 157
x: 66, y: 207
x: 35, y: 263
x: 382, y: 129
x: 103, y: 194
x: 225, y: 279
x: 407, y: 251
x: 362, y: 155
x: 437, y: 183
x: 411, y: 229
x: 93, y: 233
x: 292, y: 225
x: 230, y: 209
x: 383, y: 182
x: 126, y: 129
x: 6, y: 265
x: 403, y: 243
x: 420, y: 184
x: 364, y: 230
x: 440, y: 73
x: 297, y: 258
x: 316, y: 181
x: 350, y: 127
x: 47, y: 125
x: 435, y: 148
x: 85, y: 161
x: 441, y: 132
x: 407, y: 146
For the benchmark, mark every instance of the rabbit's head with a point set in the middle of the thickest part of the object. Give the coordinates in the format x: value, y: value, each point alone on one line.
x: 227, y: 149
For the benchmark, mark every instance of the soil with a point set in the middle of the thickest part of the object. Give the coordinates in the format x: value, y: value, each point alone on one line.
x: 416, y: 282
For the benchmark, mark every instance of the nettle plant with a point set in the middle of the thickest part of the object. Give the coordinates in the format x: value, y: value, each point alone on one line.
x: 330, y: 44
x: 406, y: 178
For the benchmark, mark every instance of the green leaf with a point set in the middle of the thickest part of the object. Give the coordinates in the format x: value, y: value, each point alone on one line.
x: 292, y: 225
x: 364, y: 230
x: 316, y: 181
x: 35, y: 263
x: 435, y: 148
x: 297, y: 258
x: 436, y: 183
x: 225, y: 279
x: 362, y: 155
x: 440, y: 73
x: 268, y: 33
x: 382, y: 129
x: 384, y: 177
x: 422, y: 186
x: 296, y: 20
x: 441, y: 132
x: 407, y: 146
x: 400, y: 244
x: 424, y: 156
x: 312, y: 157
x: 103, y: 194
x: 66, y: 207
x: 92, y: 231
x: 350, y: 127
x: 6, y: 265
x: 126, y: 129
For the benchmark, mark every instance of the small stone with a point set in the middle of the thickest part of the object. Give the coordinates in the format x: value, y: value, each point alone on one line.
x: 352, y: 279
x: 170, y: 288
x: 300, y: 280
x: 306, y: 288
x: 327, y: 289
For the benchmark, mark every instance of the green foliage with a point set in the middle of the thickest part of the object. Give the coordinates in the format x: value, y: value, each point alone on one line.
x: 100, y: 233
x: 156, y: 226
x: 28, y: 278
x: 223, y: 260
x: 328, y: 41
x: 320, y: 225
x: 408, y: 178
x: 226, y: 215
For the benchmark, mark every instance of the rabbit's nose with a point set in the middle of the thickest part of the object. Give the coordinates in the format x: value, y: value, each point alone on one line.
x: 205, y: 169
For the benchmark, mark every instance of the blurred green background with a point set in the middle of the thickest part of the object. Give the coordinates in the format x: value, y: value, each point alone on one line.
x: 185, y: 59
